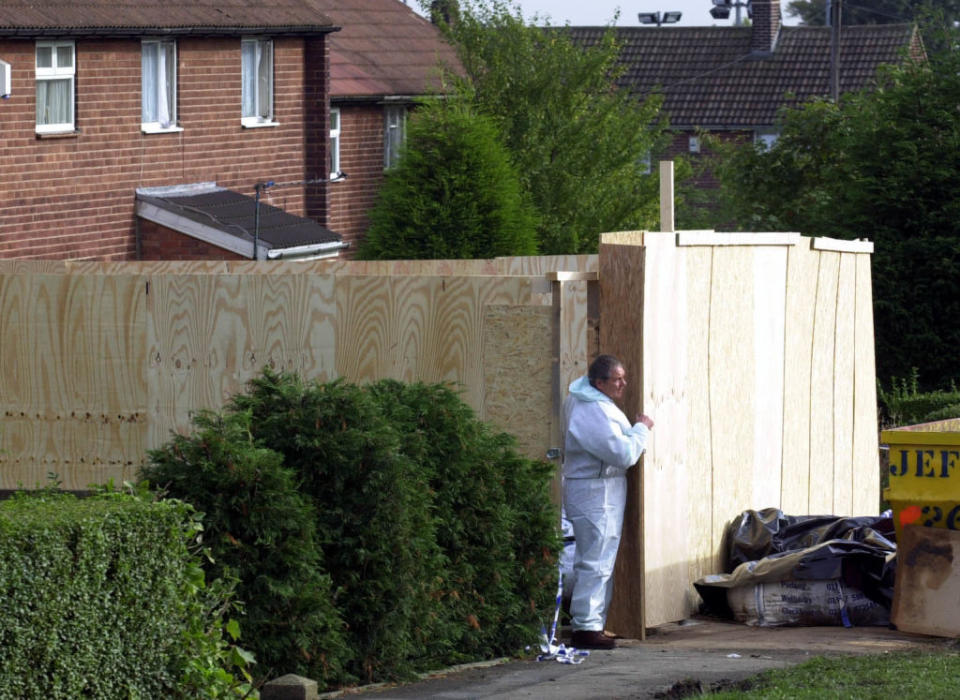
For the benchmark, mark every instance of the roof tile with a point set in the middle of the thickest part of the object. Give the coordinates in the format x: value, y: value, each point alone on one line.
x: 710, y: 78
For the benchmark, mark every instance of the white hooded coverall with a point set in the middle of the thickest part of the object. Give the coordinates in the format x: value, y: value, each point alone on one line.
x: 600, y: 445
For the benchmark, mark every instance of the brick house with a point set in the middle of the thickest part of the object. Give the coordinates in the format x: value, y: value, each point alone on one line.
x: 733, y: 81
x: 138, y: 130
x: 382, y: 60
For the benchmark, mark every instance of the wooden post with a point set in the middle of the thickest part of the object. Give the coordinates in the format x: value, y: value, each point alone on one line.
x: 666, y: 196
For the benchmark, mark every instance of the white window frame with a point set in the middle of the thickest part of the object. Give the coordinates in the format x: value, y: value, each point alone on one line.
x: 257, y: 109
x: 646, y: 163
x: 159, y: 125
x: 765, y: 139
x: 58, y: 73
x: 335, y: 127
x: 394, y: 133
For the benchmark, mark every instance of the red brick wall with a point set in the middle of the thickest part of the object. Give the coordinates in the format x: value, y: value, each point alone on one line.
x: 361, y: 158
x: 160, y: 243
x: 73, y: 197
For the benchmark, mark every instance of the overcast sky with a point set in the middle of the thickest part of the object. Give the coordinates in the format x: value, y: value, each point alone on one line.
x: 600, y: 12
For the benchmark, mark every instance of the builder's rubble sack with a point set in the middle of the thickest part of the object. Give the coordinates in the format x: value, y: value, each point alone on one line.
x: 804, y: 603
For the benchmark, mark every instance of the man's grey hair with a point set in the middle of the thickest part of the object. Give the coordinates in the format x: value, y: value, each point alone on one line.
x: 601, y: 368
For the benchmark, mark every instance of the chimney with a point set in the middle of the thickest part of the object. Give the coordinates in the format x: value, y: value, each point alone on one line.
x: 765, y: 15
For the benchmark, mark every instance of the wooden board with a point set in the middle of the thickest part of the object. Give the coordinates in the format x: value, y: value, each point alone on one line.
x: 843, y: 382
x: 801, y: 294
x: 769, y: 302
x: 418, y: 328
x: 705, y: 548
x: 621, y: 334
x: 669, y: 489
x: 518, y: 364
x: 732, y: 381
x: 866, y: 482
x: 821, y: 483
x: 207, y: 335
x: 69, y: 379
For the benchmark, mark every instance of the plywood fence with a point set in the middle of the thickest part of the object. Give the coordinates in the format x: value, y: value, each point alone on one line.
x: 99, y: 362
x: 755, y: 356
x: 753, y: 353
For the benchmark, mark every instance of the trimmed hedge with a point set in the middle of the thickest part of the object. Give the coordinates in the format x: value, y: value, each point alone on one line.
x: 102, y: 597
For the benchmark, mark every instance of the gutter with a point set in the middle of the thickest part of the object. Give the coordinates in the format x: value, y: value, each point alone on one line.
x: 308, y: 252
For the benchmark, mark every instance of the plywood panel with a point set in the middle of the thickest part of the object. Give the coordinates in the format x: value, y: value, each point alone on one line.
x: 418, y: 328
x: 67, y: 375
x: 732, y: 367
x: 572, y: 298
x: 769, y: 300
x: 35, y: 267
x: 209, y: 334
x: 621, y: 298
x: 844, y: 353
x: 705, y: 549
x: 866, y: 482
x: 518, y: 363
x: 821, y: 483
x: 670, y: 535
x: 801, y: 294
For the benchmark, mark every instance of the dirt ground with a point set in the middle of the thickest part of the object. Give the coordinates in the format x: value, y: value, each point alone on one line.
x: 676, y: 660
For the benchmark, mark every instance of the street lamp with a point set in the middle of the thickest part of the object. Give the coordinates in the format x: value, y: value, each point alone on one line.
x: 721, y: 9
x: 659, y: 19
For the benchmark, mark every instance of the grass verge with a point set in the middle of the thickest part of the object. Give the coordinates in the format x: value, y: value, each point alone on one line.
x: 904, y: 676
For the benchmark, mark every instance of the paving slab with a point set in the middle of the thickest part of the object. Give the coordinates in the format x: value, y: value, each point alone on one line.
x: 694, y: 654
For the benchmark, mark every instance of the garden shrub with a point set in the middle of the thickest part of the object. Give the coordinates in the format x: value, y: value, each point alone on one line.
x: 373, y: 513
x: 905, y: 404
x: 495, y: 523
x: 260, y: 528
x: 103, y: 597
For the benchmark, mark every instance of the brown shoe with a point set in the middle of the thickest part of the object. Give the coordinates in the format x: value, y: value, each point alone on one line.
x: 592, y: 639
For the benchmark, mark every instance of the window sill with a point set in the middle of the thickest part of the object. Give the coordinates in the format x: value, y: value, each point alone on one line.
x: 157, y: 129
x: 252, y: 124
x: 72, y: 134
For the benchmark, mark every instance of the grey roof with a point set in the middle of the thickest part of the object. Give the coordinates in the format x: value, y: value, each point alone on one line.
x: 234, y: 214
x: 710, y: 78
x: 136, y: 17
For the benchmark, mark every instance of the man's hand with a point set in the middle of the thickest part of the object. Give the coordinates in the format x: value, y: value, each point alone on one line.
x: 645, y: 419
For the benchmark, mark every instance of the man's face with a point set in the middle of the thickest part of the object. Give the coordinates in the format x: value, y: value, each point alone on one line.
x: 614, y: 385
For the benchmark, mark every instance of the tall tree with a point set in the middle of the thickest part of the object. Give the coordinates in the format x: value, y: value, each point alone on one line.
x: 883, y: 164
x: 814, y: 12
x: 581, y: 146
x: 454, y: 193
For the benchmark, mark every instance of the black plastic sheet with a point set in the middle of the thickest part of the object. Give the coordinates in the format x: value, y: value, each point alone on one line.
x: 766, y: 545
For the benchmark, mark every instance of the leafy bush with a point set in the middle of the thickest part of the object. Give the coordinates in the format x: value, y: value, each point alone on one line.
x: 494, y: 521
x: 103, y: 597
x: 440, y: 538
x: 373, y: 513
x: 259, y: 527
x: 905, y: 404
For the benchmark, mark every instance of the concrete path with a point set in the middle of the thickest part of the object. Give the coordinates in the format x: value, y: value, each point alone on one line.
x: 675, y: 661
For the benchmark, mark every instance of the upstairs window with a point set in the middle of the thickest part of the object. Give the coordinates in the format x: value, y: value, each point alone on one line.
x: 334, y: 142
x: 256, y: 62
x: 394, y: 134
x: 159, y: 86
x: 56, y: 70
x: 766, y: 138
